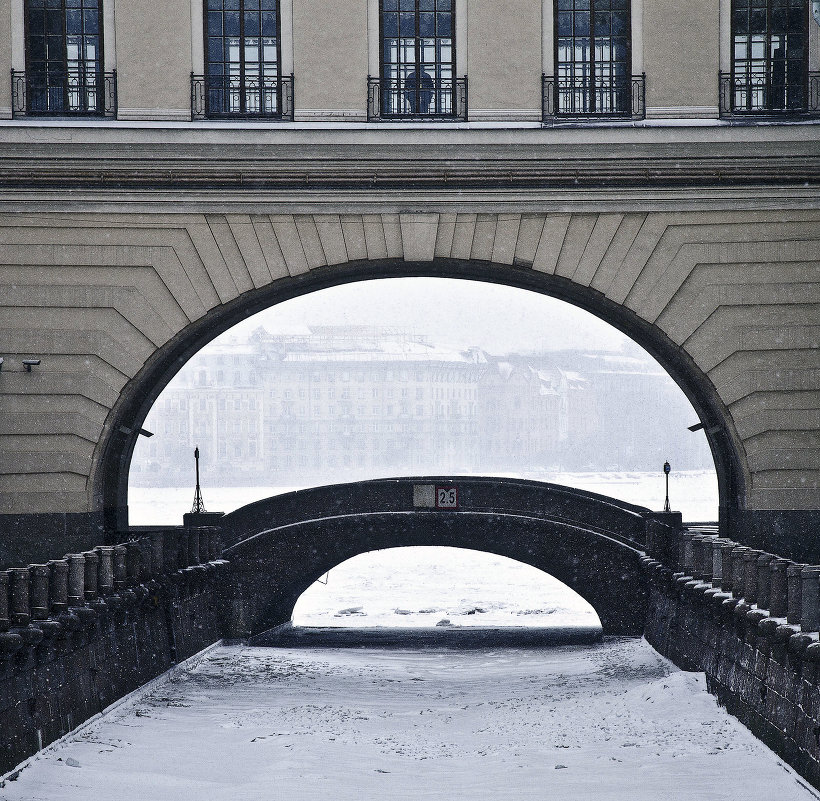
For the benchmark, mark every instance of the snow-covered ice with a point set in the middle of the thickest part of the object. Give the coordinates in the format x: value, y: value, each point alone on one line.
x: 609, y: 721
x: 423, y: 586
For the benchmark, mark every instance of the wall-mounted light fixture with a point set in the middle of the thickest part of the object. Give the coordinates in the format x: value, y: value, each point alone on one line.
x: 29, y: 363
x: 141, y: 431
x: 1, y: 364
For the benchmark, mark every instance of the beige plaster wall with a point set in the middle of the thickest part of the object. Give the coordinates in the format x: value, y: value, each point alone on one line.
x: 330, y: 58
x: 5, y: 58
x: 681, y: 57
x: 154, y: 59
x: 504, y: 58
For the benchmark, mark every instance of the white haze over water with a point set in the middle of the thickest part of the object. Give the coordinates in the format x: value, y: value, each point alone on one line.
x: 694, y: 493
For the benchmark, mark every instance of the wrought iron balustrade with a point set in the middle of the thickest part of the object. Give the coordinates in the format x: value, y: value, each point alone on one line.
x: 234, y: 97
x: 400, y: 99
x: 765, y: 96
x: 69, y: 94
x: 592, y: 98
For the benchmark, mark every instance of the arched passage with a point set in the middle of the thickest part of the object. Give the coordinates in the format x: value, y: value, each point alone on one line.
x: 111, y: 465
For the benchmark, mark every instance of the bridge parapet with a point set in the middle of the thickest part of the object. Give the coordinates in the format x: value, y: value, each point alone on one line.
x: 78, y: 633
x: 749, y: 619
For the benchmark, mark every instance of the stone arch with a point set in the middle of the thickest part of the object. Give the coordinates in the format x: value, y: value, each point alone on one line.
x: 273, y: 567
x: 723, y: 295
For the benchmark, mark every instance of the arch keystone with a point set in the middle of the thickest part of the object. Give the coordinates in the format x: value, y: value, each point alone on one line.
x: 418, y: 236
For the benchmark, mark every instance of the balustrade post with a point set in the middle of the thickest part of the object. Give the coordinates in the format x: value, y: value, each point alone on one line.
x: 764, y: 580
x: 105, y: 569
x: 58, y: 588
x: 726, y: 549
x: 192, y: 542
x: 157, y: 553
x: 717, y: 562
x: 810, y: 609
x: 38, y: 591
x: 795, y: 593
x: 778, y: 588
x: 204, y: 553
x: 92, y: 560
x: 4, y: 601
x: 738, y: 571
x: 750, y: 575
x: 214, y: 543
x: 76, y: 578
x: 687, y: 553
x: 19, y: 613
x: 133, y: 563
x: 120, y: 574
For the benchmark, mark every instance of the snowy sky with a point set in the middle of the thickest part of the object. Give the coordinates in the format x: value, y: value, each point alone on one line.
x: 455, y: 312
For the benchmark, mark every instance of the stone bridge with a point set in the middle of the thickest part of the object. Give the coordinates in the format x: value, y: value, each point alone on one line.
x: 279, y: 546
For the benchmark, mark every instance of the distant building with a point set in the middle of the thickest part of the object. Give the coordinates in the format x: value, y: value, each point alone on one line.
x: 356, y: 401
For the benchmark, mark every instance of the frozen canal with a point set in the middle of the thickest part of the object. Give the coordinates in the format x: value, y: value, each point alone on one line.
x: 608, y: 721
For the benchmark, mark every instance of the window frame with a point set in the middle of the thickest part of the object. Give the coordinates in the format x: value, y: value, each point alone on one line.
x: 202, y: 106
x: 735, y: 83
x: 379, y: 93
x: 632, y: 91
x: 103, y: 90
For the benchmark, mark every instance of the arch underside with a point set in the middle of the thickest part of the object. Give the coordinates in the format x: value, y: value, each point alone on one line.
x: 273, y: 568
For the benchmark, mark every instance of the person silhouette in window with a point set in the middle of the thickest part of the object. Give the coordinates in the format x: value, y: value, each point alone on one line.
x: 418, y: 91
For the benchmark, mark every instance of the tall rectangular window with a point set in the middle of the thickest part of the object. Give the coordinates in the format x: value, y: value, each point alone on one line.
x: 593, y: 73
x: 418, y: 59
x: 242, y: 58
x: 770, y: 55
x: 64, y: 66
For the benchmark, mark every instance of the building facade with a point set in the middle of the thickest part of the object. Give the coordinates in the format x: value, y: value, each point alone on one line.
x: 170, y: 168
x: 339, y: 403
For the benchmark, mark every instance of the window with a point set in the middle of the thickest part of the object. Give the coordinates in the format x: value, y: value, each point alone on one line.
x: 769, y: 58
x: 242, y: 58
x: 417, y: 62
x: 593, y: 62
x: 64, y: 61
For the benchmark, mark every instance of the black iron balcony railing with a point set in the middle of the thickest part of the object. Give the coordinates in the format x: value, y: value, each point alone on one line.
x: 71, y: 94
x: 229, y: 97
x: 593, y: 98
x: 765, y: 96
x: 406, y: 99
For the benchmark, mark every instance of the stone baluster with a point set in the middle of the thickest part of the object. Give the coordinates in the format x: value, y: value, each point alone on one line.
x: 778, y: 588
x: 192, y: 541
x: 5, y: 622
x: 750, y: 575
x: 698, y: 557
x: 204, y: 552
x: 39, y: 577
x: 105, y: 569
x: 738, y: 571
x: 120, y: 570
x: 214, y: 543
x: 810, y: 606
x: 58, y: 588
x: 19, y: 612
x: 133, y: 563
x: 726, y: 549
x: 687, y: 553
x: 170, y: 553
x: 157, y: 553
x: 717, y: 562
x: 92, y: 560
x: 795, y: 593
x: 76, y: 578
x: 764, y: 580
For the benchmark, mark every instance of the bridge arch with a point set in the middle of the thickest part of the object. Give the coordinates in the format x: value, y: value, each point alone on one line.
x: 113, y: 455
x: 279, y: 546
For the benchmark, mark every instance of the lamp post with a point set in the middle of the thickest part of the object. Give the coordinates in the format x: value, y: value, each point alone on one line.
x: 198, y: 506
x: 667, y: 469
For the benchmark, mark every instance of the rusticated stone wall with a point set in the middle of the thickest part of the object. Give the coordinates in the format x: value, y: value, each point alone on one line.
x: 81, y: 632
x: 749, y: 621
